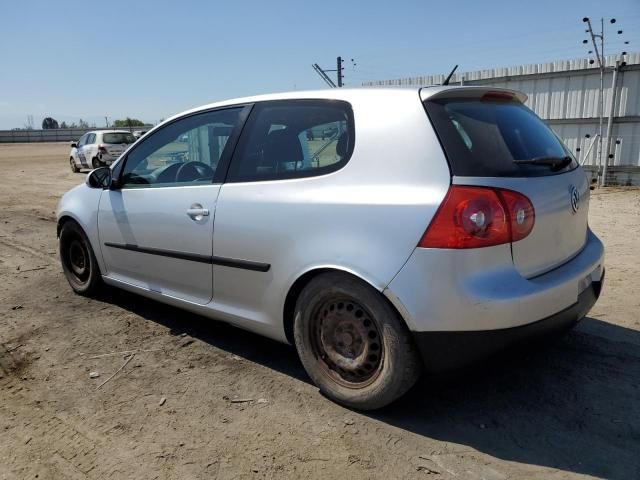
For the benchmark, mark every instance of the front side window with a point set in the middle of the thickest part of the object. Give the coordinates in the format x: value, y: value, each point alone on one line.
x: 297, y: 138
x: 185, y: 152
x: 82, y: 140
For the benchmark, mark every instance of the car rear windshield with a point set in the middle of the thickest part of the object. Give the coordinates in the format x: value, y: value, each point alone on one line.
x: 487, y: 138
x: 118, y: 137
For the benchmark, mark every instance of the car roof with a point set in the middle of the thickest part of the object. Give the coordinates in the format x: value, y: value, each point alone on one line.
x: 346, y: 94
x: 106, y: 131
x: 325, y: 94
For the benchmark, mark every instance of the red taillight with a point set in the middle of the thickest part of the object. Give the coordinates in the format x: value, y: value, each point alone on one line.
x: 102, y: 148
x: 520, y: 211
x: 475, y: 217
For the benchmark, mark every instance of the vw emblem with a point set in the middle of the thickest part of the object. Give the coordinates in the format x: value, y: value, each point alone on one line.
x: 575, y: 199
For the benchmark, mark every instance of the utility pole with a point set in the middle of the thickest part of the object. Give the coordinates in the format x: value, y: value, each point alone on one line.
x: 339, y: 73
x: 601, y: 61
x: 600, y: 57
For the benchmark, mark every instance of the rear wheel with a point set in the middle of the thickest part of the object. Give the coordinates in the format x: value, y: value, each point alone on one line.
x: 74, y: 167
x: 352, y: 343
x: 95, y: 163
x: 78, y: 261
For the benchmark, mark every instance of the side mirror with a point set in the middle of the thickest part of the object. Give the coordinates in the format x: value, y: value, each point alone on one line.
x: 74, y: 145
x: 99, y: 178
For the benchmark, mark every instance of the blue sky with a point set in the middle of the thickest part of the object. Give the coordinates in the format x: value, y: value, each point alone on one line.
x: 150, y: 59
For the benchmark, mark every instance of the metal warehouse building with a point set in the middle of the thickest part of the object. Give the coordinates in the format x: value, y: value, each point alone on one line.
x: 566, y: 95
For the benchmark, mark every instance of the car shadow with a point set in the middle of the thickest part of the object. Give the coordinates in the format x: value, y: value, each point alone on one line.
x: 245, y: 344
x: 572, y: 403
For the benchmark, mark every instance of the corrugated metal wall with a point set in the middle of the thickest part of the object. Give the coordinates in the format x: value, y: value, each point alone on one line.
x: 566, y: 95
x: 52, y: 135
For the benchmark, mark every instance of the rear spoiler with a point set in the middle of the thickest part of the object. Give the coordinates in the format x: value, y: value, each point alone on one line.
x: 430, y: 93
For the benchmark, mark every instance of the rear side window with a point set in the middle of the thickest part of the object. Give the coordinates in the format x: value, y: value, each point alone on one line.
x: 486, y: 138
x: 294, y: 138
x: 118, y: 138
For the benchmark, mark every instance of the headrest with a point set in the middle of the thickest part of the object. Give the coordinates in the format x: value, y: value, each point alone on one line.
x: 282, y: 146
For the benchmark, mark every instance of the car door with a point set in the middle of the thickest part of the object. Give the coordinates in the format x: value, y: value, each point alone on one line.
x: 156, y: 224
x: 79, y: 150
x: 87, y: 149
x: 84, y: 158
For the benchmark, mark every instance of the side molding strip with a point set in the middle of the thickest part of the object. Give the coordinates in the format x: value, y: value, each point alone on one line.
x: 194, y: 257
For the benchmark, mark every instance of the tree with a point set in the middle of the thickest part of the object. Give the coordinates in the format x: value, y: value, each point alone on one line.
x: 128, y: 122
x: 64, y: 125
x: 49, y: 123
x: 82, y: 124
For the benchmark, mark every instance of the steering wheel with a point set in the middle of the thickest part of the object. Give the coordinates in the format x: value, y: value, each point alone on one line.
x: 190, y: 171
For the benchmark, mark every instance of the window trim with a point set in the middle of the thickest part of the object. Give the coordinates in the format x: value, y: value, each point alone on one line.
x: 223, y: 163
x: 291, y: 175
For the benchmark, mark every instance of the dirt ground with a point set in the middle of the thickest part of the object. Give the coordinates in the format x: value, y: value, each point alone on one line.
x: 200, y: 399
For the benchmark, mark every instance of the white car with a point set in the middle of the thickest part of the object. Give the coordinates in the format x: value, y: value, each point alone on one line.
x: 98, y: 148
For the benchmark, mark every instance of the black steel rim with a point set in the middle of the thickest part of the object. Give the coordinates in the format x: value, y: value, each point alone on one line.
x: 77, y: 260
x: 347, y: 343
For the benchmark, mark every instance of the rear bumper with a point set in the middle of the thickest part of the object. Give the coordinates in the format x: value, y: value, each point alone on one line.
x: 442, y: 351
x: 107, y: 159
x: 442, y: 290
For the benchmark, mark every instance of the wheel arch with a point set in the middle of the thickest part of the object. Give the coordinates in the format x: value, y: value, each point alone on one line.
x: 61, y: 222
x: 303, y: 280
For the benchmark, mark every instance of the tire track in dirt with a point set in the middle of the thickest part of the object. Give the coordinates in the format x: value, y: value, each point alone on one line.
x: 22, y: 247
x: 69, y: 450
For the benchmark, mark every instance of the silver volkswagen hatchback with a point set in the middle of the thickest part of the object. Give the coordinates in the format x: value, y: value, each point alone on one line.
x: 380, y: 231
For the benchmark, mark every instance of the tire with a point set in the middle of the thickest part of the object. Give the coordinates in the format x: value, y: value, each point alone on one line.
x: 95, y: 163
x: 74, y: 167
x: 352, y: 343
x: 78, y: 260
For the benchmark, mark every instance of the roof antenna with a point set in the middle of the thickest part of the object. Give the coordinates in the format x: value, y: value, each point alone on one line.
x: 446, y: 81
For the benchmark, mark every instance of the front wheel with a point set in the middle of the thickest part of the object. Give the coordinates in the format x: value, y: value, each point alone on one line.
x: 352, y: 343
x: 95, y: 163
x: 78, y: 261
x: 72, y: 164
